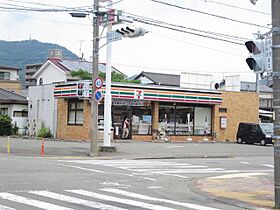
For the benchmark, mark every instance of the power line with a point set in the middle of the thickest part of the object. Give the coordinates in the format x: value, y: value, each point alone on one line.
x: 188, y: 32
x: 209, y: 14
x: 236, y: 7
x: 188, y: 28
x: 198, y: 45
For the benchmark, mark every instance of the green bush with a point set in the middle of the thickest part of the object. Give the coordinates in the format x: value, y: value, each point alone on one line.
x: 44, y: 133
x: 5, y: 125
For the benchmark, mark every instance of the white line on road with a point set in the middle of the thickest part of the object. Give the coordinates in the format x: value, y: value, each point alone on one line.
x: 247, y: 163
x: 77, y: 167
x: 31, y: 202
x: 6, y: 208
x: 166, y: 166
x: 74, y: 200
x: 145, y: 197
x: 195, y: 171
x: 155, y: 187
x: 240, y: 175
x: 268, y: 165
x: 162, y: 169
x: 120, y: 200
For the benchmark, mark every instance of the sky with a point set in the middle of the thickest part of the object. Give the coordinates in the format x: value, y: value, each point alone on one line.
x: 160, y: 50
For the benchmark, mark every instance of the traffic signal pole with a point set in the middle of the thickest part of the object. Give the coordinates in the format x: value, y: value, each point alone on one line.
x: 108, y: 97
x: 94, y: 103
x: 275, y: 8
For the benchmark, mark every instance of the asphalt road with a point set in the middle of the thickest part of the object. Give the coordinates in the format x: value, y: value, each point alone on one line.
x: 125, y: 180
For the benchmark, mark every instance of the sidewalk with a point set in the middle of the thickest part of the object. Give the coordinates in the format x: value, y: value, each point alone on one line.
x: 242, y: 191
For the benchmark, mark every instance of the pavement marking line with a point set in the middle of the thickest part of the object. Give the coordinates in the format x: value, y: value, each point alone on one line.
x: 244, y: 162
x: 155, y: 187
x: 268, y: 165
x: 145, y: 197
x: 120, y: 200
x: 6, y: 208
x: 77, y: 167
x: 239, y: 175
x: 31, y: 202
x: 74, y: 200
x: 161, y: 167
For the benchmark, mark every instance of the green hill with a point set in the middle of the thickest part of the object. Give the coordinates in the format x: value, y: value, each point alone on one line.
x: 20, y: 53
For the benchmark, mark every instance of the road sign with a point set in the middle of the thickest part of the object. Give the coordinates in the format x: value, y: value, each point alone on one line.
x: 113, y: 36
x: 98, y: 95
x: 98, y: 82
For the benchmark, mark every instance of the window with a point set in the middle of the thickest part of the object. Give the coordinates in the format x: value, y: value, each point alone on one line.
x: 202, y: 120
x: 167, y: 117
x: 75, y: 112
x: 40, y: 81
x: 141, y: 120
x: 4, y: 75
x: 177, y: 119
x: 223, y: 110
x: 20, y: 114
x: 4, y: 111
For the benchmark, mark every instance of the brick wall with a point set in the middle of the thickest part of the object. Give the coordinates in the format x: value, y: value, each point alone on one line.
x: 72, y: 132
x: 241, y: 107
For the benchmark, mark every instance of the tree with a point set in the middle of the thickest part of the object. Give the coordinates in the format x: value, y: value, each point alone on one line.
x: 5, y: 125
x: 116, y: 77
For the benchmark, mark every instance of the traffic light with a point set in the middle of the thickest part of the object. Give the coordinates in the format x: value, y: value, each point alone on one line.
x: 131, y: 32
x: 80, y: 89
x: 256, y: 59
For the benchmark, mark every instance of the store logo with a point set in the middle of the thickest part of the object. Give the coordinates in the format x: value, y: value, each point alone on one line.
x: 138, y: 94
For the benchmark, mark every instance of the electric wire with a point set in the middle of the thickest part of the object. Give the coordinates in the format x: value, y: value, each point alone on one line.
x: 236, y: 7
x: 184, y: 27
x: 209, y: 14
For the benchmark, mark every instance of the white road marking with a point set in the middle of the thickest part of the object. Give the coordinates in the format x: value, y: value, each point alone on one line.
x: 120, y: 200
x: 244, y: 162
x: 268, y: 165
x: 170, y: 147
x: 77, y: 167
x: 170, y: 166
x: 31, y: 202
x: 6, y: 208
x: 162, y: 169
x: 145, y: 197
x: 74, y: 200
x: 240, y: 175
x: 115, y: 184
x: 155, y: 187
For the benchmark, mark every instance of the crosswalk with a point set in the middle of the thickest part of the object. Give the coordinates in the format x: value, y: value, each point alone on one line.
x: 104, y: 199
x: 151, y: 167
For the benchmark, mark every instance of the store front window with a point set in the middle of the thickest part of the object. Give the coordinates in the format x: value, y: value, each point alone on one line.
x: 184, y: 119
x: 142, y: 120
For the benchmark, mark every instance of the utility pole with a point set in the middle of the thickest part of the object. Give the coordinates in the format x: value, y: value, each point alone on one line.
x: 275, y: 8
x: 95, y: 60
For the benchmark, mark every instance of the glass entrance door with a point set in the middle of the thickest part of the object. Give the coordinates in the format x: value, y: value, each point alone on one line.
x: 119, y: 114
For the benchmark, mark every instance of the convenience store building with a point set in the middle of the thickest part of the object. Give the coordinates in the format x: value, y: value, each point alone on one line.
x: 182, y: 112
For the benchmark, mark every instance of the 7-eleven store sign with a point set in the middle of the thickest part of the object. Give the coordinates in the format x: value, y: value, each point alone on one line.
x: 138, y: 94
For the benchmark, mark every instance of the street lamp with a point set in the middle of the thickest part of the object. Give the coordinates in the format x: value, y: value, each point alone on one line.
x: 95, y: 61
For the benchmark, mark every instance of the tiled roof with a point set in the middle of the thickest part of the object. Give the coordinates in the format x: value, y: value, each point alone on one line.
x: 161, y: 79
x: 11, y: 97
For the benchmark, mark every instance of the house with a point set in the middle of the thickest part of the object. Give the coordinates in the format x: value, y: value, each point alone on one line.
x: 9, y: 78
x: 57, y: 70
x: 15, y: 106
x: 151, y: 78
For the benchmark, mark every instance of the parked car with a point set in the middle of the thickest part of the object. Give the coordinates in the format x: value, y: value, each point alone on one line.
x: 251, y: 133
